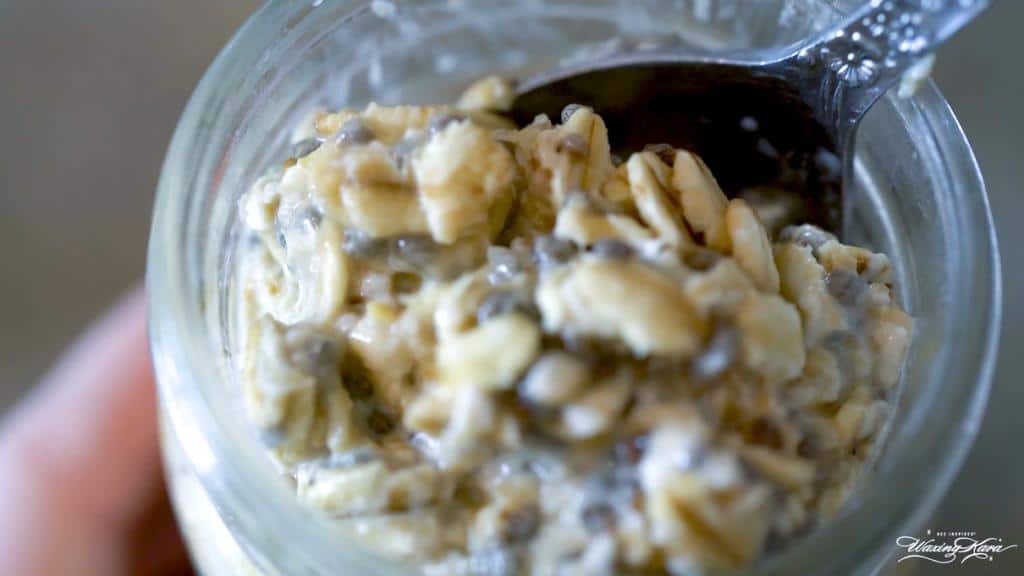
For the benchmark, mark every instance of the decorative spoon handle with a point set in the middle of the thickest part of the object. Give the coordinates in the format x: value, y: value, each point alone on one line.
x: 852, y: 65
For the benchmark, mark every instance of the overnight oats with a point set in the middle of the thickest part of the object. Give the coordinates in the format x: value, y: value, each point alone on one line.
x: 493, y: 349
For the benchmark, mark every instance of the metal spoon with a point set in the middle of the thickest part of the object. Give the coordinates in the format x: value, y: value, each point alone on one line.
x: 785, y: 119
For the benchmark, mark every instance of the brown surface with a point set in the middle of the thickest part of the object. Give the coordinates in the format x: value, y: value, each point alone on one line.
x: 91, y: 90
x: 980, y: 74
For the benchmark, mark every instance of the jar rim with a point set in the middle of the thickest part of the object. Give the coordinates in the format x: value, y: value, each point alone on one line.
x: 184, y: 354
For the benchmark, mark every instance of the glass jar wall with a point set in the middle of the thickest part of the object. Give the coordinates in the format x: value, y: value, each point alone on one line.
x: 919, y: 198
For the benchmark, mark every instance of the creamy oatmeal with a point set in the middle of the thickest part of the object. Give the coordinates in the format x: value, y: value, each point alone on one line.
x: 501, y: 350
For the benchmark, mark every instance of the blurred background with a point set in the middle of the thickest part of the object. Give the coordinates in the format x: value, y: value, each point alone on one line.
x: 90, y: 91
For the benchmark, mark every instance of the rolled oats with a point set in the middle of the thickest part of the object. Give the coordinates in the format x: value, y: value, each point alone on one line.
x: 750, y: 246
x: 771, y: 339
x: 629, y: 301
x: 652, y: 199
x: 802, y: 281
x: 465, y: 182
x: 597, y: 410
x: 554, y: 379
x: 703, y: 203
x: 497, y: 350
x: 580, y: 222
x: 488, y: 93
x: 492, y: 355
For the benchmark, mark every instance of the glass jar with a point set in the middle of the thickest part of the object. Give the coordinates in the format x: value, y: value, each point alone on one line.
x: 920, y: 199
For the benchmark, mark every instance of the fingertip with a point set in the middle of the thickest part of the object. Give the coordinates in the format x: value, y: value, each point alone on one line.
x: 89, y: 432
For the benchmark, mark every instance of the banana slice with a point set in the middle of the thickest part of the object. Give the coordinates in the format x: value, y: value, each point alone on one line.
x: 368, y: 194
x: 580, y: 223
x: 369, y: 488
x: 307, y: 282
x: 269, y: 375
x: 465, y: 182
x: 292, y: 391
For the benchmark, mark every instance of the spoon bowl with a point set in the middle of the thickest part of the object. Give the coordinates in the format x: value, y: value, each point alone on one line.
x: 774, y: 123
x: 751, y: 129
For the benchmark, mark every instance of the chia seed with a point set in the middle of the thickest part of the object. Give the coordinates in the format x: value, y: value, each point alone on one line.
x: 612, y: 249
x: 551, y: 251
x: 521, y: 525
x: 805, y: 235
x: 355, y: 131
x: 314, y: 353
x: 719, y: 356
x: 701, y: 260
x: 356, y: 457
x: 379, y: 422
x: 494, y: 562
x: 846, y: 287
x: 272, y: 437
x: 304, y: 148
x: 665, y: 152
x: 413, y: 253
x: 356, y: 379
x: 598, y: 517
x: 438, y: 122
x: 573, y: 144
x: 405, y: 148
x: 504, y: 265
x: 506, y: 302
x: 631, y: 450
x: 405, y: 283
x: 312, y: 218
x: 362, y: 245
x: 568, y: 111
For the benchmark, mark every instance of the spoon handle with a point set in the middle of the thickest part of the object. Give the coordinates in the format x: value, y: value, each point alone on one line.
x: 865, y: 55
